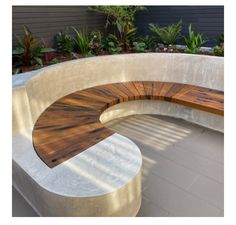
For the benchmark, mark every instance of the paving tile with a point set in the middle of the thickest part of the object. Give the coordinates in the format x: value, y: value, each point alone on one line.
x: 210, y: 190
x: 221, y: 214
x: 149, y: 209
x: 144, y: 127
x: 177, y: 201
x: 195, y: 149
x: 194, y: 162
x: 209, y: 144
x: 158, y: 165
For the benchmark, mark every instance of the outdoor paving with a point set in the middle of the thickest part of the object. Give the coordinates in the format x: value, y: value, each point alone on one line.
x: 183, y: 167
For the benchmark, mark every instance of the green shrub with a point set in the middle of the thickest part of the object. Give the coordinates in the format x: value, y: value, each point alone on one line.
x: 111, y: 44
x: 30, y: 50
x: 193, y: 41
x: 218, y: 51
x: 139, y: 46
x: 64, y: 42
x: 81, y: 40
x: 220, y: 39
x: 121, y: 19
x: 149, y: 41
x: 167, y: 35
x: 113, y: 48
x: 95, y: 44
x: 89, y: 54
x: 54, y: 61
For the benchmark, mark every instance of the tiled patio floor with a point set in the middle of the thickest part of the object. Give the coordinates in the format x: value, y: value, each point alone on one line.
x: 182, y: 167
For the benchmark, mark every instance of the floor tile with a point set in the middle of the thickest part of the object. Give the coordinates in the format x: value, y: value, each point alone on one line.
x: 177, y: 201
x: 209, y: 144
x: 194, y: 162
x: 210, y: 190
x: 158, y: 165
x: 149, y: 209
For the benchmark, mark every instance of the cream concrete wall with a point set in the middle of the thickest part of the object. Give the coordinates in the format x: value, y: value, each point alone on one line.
x: 125, y: 201
x: 33, y: 92
x: 57, y: 81
x: 199, y: 117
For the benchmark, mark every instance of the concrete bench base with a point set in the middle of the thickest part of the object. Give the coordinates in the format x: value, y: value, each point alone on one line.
x: 206, y: 119
x: 105, y: 180
x: 77, y: 187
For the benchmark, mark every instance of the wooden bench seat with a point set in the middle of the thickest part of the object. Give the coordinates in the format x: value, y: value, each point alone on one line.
x: 71, y: 124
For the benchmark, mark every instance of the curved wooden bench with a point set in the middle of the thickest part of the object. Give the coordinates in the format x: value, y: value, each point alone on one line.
x: 71, y: 124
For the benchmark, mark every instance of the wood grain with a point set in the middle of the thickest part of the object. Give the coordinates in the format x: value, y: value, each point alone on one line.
x: 71, y: 124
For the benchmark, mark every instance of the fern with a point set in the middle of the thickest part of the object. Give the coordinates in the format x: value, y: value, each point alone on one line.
x: 167, y: 35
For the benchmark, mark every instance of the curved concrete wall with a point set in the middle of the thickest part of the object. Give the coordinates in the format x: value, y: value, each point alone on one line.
x: 206, y: 119
x: 54, y: 82
x: 35, y: 91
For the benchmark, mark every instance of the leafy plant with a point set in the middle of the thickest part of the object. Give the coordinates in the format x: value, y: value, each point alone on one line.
x: 218, y: 51
x: 89, y: 54
x: 38, y: 66
x: 149, y: 41
x: 219, y: 48
x: 64, y: 42
x: 139, y: 46
x: 30, y: 50
x: 220, y: 39
x: 167, y: 35
x: 121, y: 19
x: 81, y: 40
x: 113, y: 48
x: 111, y: 44
x: 95, y: 44
x: 193, y: 41
x: 16, y: 70
x: 54, y: 61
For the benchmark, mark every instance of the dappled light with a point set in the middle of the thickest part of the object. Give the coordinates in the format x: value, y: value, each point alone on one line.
x: 154, y: 132
x: 106, y: 166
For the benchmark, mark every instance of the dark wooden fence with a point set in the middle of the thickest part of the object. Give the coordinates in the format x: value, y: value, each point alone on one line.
x: 46, y: 21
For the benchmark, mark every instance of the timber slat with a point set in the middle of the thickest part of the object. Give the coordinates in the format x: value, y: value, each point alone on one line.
x: 71, y: 124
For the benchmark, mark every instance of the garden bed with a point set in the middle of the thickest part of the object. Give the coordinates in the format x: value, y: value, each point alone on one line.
x: 33, y: 53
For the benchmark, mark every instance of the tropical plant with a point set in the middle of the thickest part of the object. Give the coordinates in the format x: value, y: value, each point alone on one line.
x: 220, y: 39
x: 54, y: 61
x: 121, y: 19
x: 111, y: 44
x: 139, y: 46
x: 113, y: 48
x: 219, y: 48
x: 167, y: 35
x: 193, y: 41
x: 149, y: 41
x: 218, y: 51
x: 95, y: 44
x: 81, y: 40
x: 30, y: 50
x: 89, y: 54
x: 64, y: 42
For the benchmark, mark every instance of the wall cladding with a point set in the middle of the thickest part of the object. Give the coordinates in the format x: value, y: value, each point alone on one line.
x: 46, y: 21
